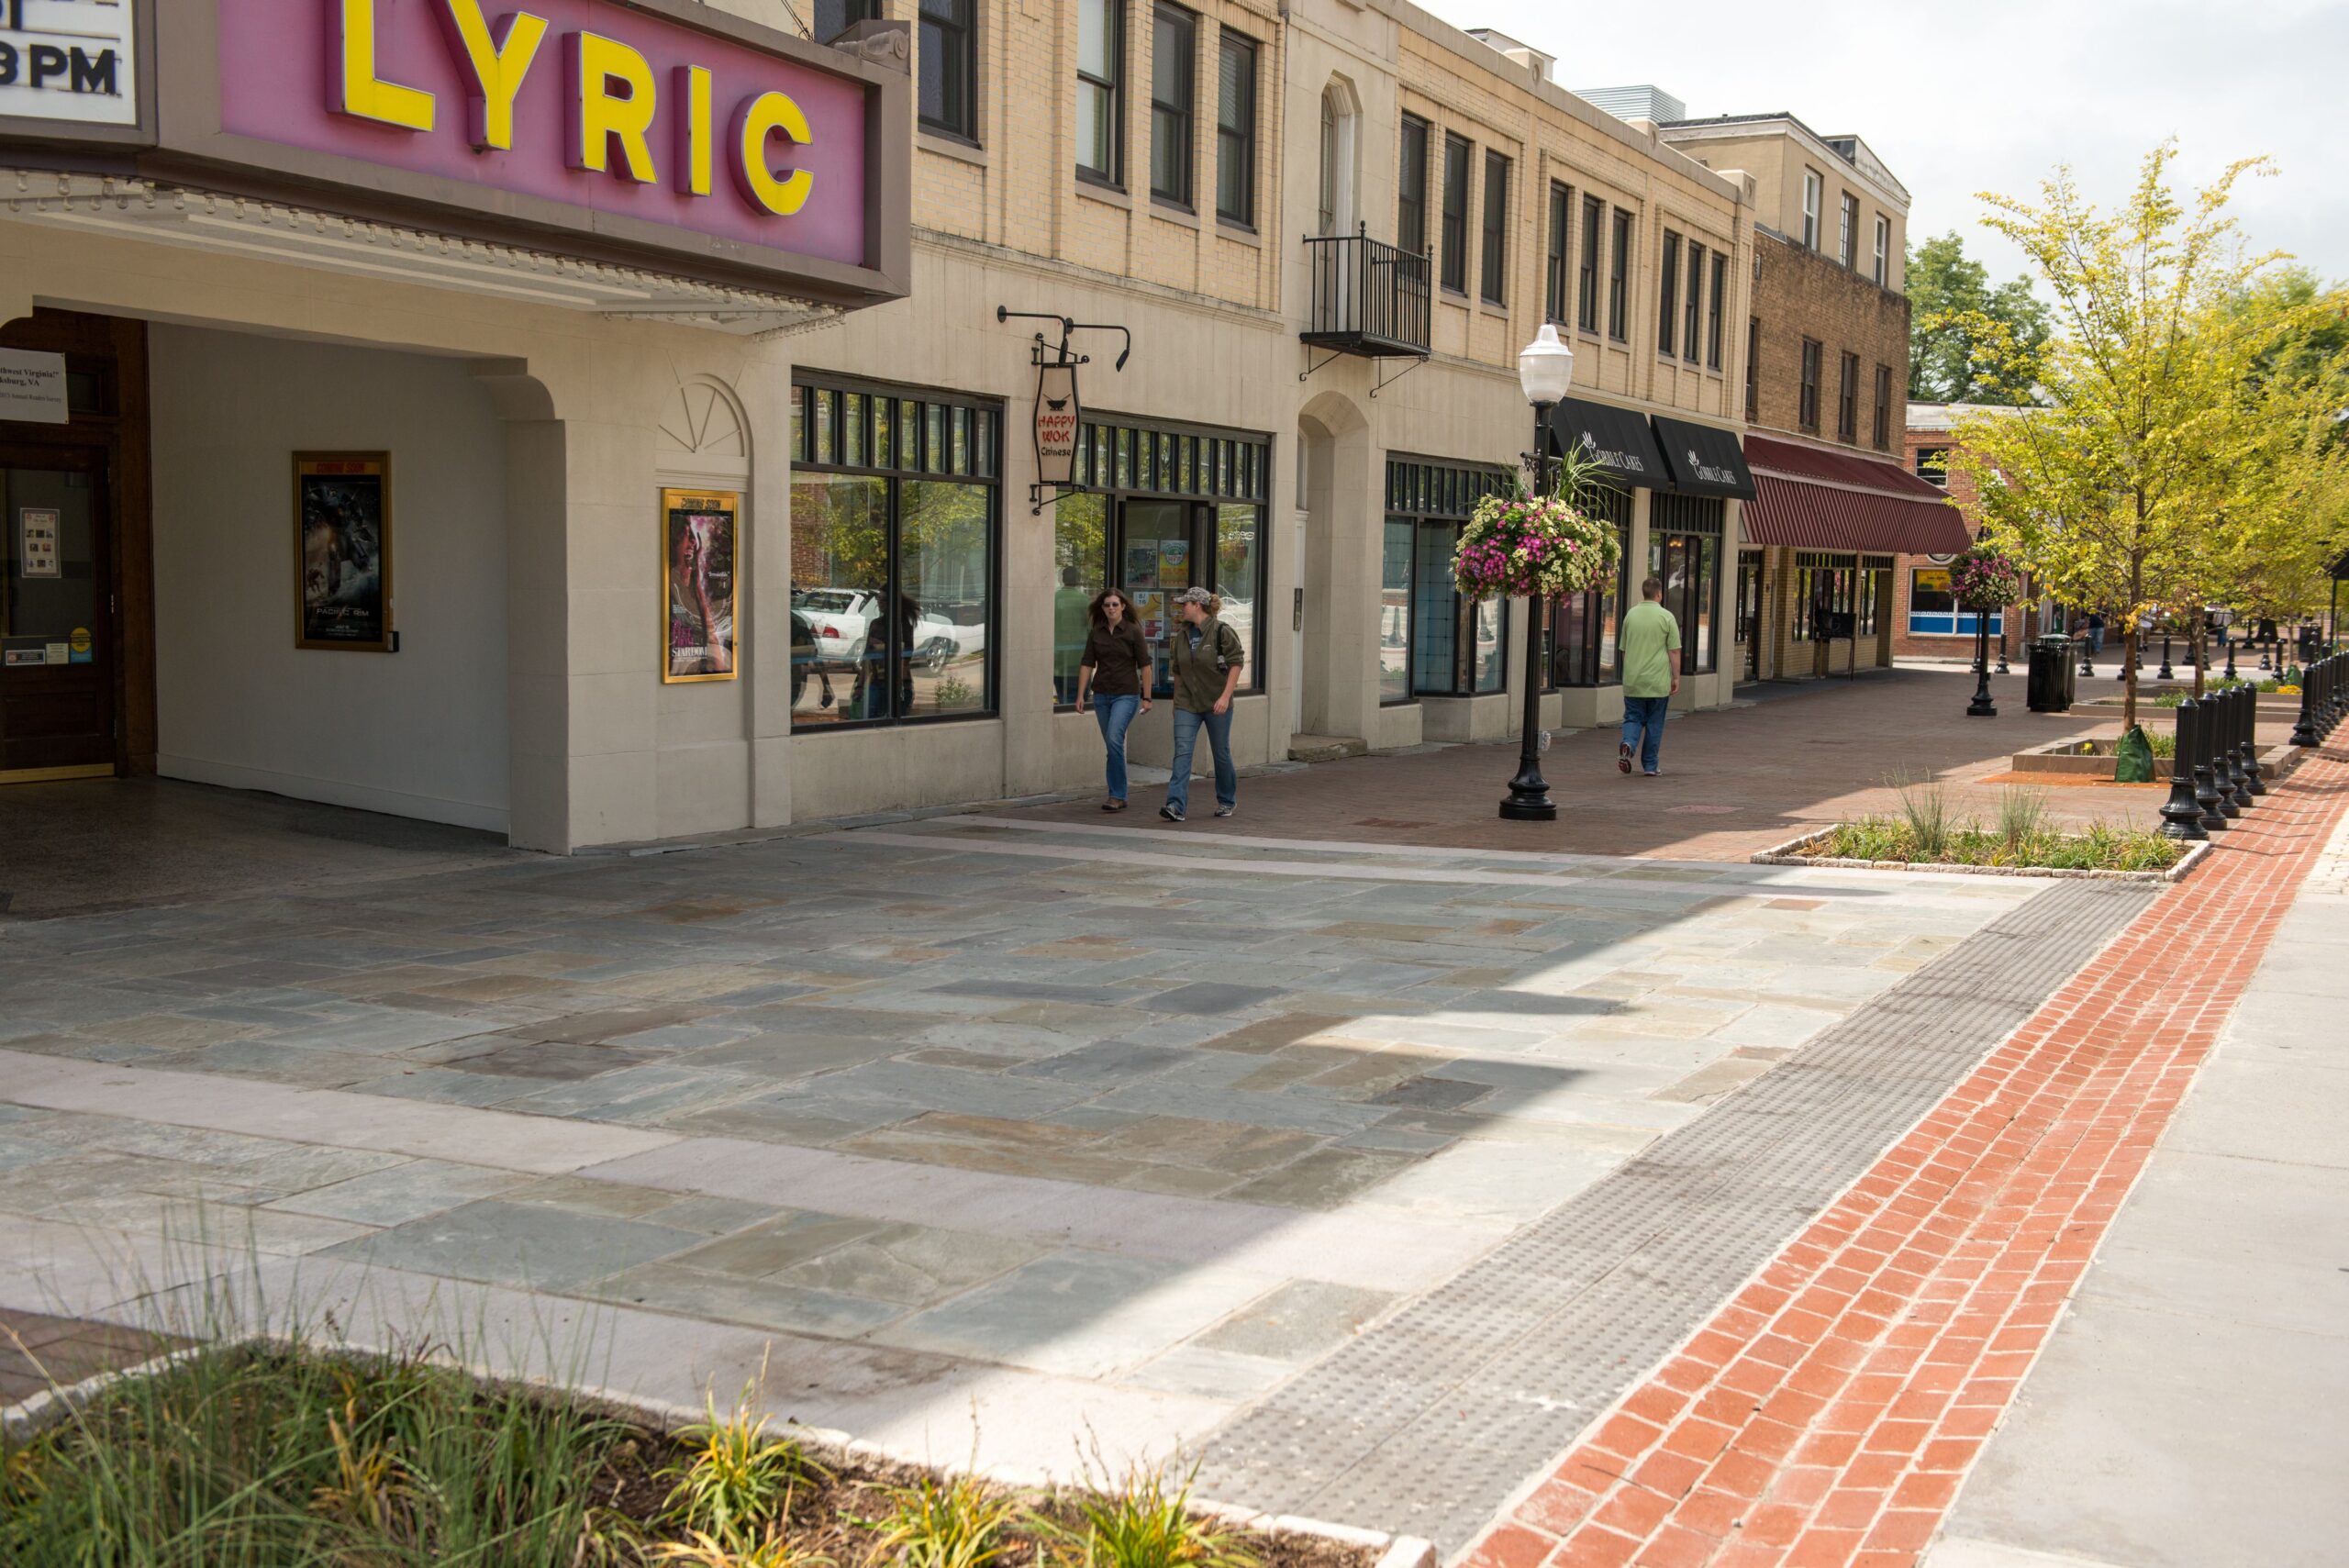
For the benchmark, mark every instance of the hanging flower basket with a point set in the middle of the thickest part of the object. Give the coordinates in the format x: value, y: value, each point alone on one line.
x: 1983, y: 579
x: 1534, y: 546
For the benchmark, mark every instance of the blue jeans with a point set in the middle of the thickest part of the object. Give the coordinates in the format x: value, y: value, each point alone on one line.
x: 1186, y: 738
x: 1116, y: 715
x: 1643, y: 727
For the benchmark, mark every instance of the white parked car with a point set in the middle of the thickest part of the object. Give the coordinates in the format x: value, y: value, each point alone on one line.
x: 839, y: 618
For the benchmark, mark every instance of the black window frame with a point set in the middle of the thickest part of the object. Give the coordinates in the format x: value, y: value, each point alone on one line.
x: 1931, y: 465
x: 950, y: 35
x: 1113, y: 13
x: 1691, y: 350
x: 1847, y: 398
x: 1667, y: 293
x: 1599, y: 653
x: 1557, y: 265
x: 914, y: 440
x: 1458, y: 159
x: 1698, y: 520
x: 1594, y: 215
x: 1806, y: 402
x: 1618, y: 279
x: 1235, y: 145
x: 1125, y: 459
x: 1718, y: 302
x: 1173, y: 121
x: 1436, y: 495
x: 1883, y: 408
x: 824, y: 28
x: 1492, y: 285
x: 1411, y: 185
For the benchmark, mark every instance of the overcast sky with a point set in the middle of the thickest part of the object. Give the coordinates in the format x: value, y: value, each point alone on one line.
x: 1992, y: 94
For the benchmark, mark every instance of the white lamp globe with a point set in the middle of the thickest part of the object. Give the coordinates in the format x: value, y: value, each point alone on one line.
x: 1545, y: 367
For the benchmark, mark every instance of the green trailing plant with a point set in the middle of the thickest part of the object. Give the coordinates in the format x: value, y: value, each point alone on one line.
x: 1145, y: 1523
x: 953, y: 1522
x: 731, y: 1480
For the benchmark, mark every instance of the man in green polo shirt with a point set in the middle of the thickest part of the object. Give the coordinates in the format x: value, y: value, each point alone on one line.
x: 1651, y: 648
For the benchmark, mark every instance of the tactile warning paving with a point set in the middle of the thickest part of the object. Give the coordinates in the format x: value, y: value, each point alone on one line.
x: 1428, y: 1423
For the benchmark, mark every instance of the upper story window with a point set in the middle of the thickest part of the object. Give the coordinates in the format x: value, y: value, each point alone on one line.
x: 1412, y: 187
x: 1619, y: 280
x: 1847, y: 399
x: 1495, y: 281
x: 1932, y: 465
x: 1807, y: 407
x: 1694, y: 306
x: 1883, y: 251
x: 1235, y: 129
x: 1813, y: 192
x: 1553, y: 274
x: 1667, y: 293
x: 1173, y: 54
x: 1753, y: 369
x: 1455, y: 213
x: 1847, y: 233
x: 834, y: 17
x: 1101, y: 90
x: 950, y: 69
x: 1883, y: 407
x: 1586, y: 275
x: 1713, y: 316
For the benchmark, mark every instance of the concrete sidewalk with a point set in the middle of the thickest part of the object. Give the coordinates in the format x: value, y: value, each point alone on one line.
x: 2192, y: 1408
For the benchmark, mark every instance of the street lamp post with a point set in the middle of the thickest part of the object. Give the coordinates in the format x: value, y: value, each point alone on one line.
x: 1545, y: 370
x: 1981, y: 707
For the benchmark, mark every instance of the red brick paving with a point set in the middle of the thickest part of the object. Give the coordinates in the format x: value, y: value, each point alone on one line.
x: 1825, y: 1417
x: 1733, y: 782
x: 37, y: 1351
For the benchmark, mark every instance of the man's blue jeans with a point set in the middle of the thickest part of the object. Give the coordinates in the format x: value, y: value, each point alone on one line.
x: 1116, y: 716
x: 1643, y: 727
x: 1186, y: 738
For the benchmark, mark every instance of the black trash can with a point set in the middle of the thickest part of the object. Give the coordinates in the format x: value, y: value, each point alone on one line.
x: 2054, y: 670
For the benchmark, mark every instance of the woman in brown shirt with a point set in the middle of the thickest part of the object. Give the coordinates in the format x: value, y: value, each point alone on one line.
x: 1116, y: 668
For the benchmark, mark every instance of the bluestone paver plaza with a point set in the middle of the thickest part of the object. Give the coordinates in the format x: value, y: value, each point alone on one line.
x: 994, y: 1138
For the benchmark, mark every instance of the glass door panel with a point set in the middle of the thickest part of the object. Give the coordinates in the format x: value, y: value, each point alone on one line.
x: 56, y: 676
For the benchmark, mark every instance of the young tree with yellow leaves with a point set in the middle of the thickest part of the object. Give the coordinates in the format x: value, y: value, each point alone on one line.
x: 2110, y: 487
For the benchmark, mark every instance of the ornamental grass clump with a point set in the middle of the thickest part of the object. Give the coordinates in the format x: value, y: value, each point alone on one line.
x: 2022, y: 837
x: 1525, y: 545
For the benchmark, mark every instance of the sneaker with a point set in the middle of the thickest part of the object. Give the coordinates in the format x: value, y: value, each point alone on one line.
x: 1225, y: 810
x: 1649, y: 772
x: 1170, y: 813
x: 1623, y: 756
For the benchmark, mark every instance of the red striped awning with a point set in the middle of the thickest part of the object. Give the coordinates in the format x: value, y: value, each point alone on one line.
x: 1811, y: 500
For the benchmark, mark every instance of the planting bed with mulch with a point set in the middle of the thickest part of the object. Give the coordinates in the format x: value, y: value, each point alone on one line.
x: 247, y: 1456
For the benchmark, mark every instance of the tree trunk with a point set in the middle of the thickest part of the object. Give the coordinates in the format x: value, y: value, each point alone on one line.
x: 2128, y: 676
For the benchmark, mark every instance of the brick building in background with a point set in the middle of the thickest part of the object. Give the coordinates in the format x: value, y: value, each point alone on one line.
x: 1824, y: 396
x: 1926, y: 623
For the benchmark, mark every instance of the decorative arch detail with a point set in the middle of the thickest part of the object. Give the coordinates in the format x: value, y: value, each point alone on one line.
x: 704, y: 422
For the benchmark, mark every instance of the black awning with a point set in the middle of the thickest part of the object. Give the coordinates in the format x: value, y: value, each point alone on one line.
x: 1705, y: 460
x: 1618, y: 437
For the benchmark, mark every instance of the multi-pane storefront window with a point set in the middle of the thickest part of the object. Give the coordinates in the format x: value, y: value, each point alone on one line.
x: 1932, y: 607
x: 1394, y: 612
x: 894, y: 513
x: 1582, y: 626
x: 1449, y: 646
x: 1684, y: 550
x: 1162, y: 509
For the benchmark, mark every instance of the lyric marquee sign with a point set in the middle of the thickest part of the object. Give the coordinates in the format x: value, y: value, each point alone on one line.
x: 587, y: 103
x: 70, y: 60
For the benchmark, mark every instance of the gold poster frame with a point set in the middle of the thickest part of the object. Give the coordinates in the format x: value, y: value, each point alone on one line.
x: 307, y: 465
x: 730, y: 504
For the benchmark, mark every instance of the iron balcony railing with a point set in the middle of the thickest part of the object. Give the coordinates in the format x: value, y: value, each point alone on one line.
x: 1369, y: 297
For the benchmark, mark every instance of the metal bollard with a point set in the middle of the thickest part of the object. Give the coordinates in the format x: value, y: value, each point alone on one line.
x: 2243, y: 710
x: 2224, y: 777
x: 2255, y: 776
x: 2182, y: 812
x: 2304, y: 732
x: 2206, y: 790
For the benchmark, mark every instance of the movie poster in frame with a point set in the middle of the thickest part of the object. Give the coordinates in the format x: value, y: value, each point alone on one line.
x: 342, y: 551
x: 700, y: 543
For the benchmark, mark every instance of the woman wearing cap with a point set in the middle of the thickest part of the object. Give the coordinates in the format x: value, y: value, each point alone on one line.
x: 1116, y: 667
x: 1206, y: 657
